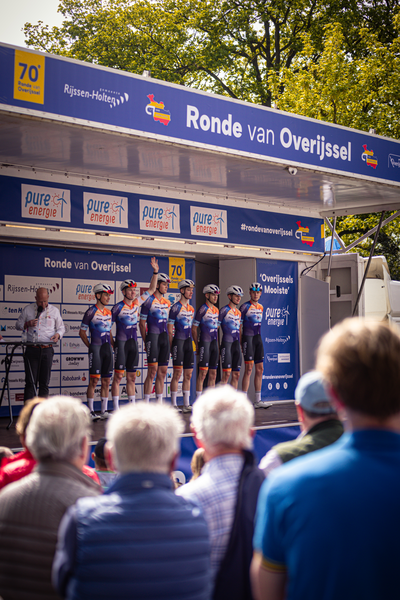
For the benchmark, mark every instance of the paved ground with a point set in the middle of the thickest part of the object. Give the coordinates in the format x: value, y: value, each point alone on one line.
x: 275, y: 416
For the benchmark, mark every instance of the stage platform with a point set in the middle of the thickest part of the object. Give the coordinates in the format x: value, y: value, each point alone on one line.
x: 277, y: 416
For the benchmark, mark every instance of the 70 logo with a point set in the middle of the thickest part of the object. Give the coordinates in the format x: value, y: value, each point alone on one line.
x: 33, y: 71
x: 29, y: 76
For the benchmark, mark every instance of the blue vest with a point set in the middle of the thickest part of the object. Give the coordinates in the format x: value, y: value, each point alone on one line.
x: 140, y: 541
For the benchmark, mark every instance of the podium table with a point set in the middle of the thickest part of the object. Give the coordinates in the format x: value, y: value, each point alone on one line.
x: 11, y: 346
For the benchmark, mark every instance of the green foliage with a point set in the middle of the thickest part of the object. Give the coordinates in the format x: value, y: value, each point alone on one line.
x: 388, y: 244
x: 361, y: 92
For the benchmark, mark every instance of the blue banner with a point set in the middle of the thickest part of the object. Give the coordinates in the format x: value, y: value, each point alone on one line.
x: 279, y: 328
x: 34, y: 202
x: 59, y: 86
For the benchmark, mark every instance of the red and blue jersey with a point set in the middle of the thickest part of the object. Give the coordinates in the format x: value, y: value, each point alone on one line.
x: 181, y: 317
x: 207, y: 321
x: 251, y: 317
x: 230, y: 319
x: 126, y: 317
x: 98, y: 323
x: 155, y: 312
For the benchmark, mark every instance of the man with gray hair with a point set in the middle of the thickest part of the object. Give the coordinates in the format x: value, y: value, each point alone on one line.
x: 319, y: 423
x: 31, y: 508
x: 227, y: 489
x: 138, y: 540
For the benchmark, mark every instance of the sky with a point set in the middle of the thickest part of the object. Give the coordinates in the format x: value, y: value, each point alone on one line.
x: 15, y: 13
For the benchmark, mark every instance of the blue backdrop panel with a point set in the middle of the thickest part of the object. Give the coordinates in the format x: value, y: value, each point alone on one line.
x: 69, y: 276
x: 279, y: 328
x: 41, y: 202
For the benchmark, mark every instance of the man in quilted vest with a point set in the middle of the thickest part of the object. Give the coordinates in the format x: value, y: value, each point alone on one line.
x: 138, y: 540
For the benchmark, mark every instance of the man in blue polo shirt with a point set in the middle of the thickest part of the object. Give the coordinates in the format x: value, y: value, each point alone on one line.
x: 327, y: 523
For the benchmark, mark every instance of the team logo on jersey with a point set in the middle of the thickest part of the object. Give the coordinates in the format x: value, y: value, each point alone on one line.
x: 157, y: 111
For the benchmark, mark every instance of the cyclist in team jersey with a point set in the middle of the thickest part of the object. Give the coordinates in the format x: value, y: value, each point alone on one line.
x: 125, y: 314
x: 97, y: 320
x: 230, y: 319
x: 206, y: 340
x: 154, y: 313
x: 253, y: 349
x: 180, y: 338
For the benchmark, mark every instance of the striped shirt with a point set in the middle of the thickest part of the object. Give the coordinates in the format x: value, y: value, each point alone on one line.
x: 215, y: 491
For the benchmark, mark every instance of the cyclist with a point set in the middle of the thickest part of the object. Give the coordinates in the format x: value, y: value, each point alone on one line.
x: 181, y: 342
x: 125, y: 315
x: 206, y: 341
x: 154, y: 313
x: 97, y: 320
x: 253, y: 349
x: 230, y: 319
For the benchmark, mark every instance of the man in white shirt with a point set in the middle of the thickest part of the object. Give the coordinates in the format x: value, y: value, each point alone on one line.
x: 44, y: 325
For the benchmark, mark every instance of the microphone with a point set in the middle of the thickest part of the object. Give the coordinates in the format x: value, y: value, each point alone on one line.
x: 39, y: 311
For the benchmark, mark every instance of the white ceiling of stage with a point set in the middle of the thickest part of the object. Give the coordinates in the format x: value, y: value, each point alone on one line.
x: 48, y: 144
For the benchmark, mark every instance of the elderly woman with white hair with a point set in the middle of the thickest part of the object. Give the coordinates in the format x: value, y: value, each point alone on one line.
x: 31, y: 508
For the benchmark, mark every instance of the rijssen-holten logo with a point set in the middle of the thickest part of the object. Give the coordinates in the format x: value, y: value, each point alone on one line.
x: 159, y: 216
x: 157, y: 110
x: 47, y: 204
x: 303, y: 233
x: 369, y: 157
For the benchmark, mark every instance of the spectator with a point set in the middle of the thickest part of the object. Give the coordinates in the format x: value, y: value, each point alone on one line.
x: 335, y: 511
x: 31, y: 509
x: 22, y: 463
x: 197, y: 463
x: 105, y: 474
x: 138, y: 540
x: 228, y: 487
x: 319, y: 423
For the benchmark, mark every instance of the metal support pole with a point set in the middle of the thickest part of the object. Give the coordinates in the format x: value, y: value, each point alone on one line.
x: 368, y: 263
x: 328, y: 277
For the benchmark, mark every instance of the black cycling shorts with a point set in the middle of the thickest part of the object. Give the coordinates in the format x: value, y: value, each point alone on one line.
x: 208, y: 355
x: 231, y: 355
x: 126, y: 355
x: 253, y: 349
x: 157, y: 348
x: 100, y: 360
x: 182, y: 353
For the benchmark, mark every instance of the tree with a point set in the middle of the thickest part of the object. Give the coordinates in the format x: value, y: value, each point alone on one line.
x: 362, y: 91
x: 231, y: 48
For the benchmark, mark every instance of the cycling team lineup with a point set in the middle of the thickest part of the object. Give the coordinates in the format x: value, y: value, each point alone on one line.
x: 172, y: 330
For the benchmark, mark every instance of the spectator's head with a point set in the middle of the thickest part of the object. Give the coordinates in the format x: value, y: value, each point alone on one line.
x: 25, y: 417
x: 312, y: 397
x: 59, y: 430
x: 222, y: 419
x: 98, y: 455
x: 360, y: 361
x: 144, y: 438
x: 197, y: 462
